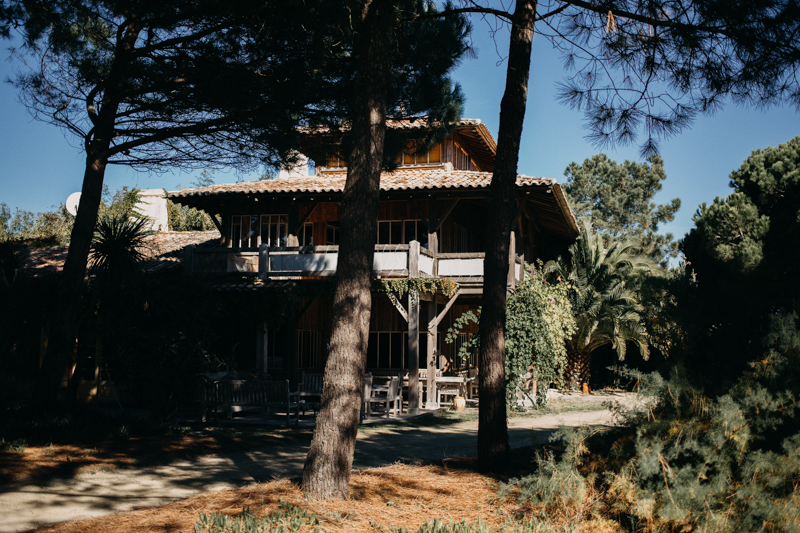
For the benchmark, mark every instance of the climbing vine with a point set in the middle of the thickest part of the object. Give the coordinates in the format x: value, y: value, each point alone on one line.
x: 402, y: 286
x: 539, y: 320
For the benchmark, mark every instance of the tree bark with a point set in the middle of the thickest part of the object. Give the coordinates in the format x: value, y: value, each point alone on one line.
x: 578, y: 369
x: 492, y: 426
x: 64, y: 315
x: 326, y: 473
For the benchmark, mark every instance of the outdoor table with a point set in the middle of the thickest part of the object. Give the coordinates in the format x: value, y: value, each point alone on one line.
x: 459, y: 381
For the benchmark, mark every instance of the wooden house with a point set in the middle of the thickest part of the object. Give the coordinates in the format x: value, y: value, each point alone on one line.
x: 432, y: 213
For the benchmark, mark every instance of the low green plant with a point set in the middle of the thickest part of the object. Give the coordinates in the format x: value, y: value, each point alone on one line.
x: 286, y: 518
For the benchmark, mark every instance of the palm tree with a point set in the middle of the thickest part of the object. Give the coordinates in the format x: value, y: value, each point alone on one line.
x: 603, y: 277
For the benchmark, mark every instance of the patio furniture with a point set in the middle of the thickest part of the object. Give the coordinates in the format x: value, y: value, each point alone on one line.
x: 389, y: 395
x: 452, y: 386
x: 310, y: 391
x: 234, y: 394
x: 365, y: 396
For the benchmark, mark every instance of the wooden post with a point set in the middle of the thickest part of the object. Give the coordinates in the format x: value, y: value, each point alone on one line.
x: 293, y: 228
x: 413, y: 260
x: 512, y: 255
x: 188, y: 259
x: 413, y: 352
x: 226, y: 229
x: 431, y: 402
x: 263, y: 261
x: 433, y: 223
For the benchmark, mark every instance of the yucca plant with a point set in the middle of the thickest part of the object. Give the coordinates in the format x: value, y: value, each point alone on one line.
x: 118, y: 248
x: 606, y: 306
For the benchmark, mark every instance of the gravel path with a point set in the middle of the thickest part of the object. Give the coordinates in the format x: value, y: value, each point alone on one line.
x: 26, y: 506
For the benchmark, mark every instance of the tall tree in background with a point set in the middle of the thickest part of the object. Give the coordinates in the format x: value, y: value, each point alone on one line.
x: 638, y: 67
x: 617, y: 199
x: 744, y: 258
x: 134, y: 82
x: 401, y: 64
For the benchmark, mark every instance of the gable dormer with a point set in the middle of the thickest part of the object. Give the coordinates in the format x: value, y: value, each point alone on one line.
x: 470, y: 147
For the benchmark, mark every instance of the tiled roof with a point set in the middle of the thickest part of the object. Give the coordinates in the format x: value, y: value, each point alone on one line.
x: 400, y: 180
x: 163, y: 250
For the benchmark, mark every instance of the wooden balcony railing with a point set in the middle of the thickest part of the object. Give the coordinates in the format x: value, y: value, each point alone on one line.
x: 297, y: 262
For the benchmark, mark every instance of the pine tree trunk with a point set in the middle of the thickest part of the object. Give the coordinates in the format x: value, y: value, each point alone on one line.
x: 492, y: 427
x: 326, y: 473
x: 65, y: 313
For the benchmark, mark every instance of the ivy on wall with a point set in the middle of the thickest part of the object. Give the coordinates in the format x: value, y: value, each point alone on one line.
x: 402, y: 286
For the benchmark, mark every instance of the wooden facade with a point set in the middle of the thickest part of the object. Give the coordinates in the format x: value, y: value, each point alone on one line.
x: 432, y: 213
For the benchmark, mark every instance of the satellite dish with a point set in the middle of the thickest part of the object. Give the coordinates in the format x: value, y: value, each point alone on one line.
x: 72, y: 203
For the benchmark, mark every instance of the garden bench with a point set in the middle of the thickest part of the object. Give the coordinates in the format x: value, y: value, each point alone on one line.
x: 234, y: 394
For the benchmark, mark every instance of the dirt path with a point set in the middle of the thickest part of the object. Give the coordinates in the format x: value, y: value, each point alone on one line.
x: 96, y: 493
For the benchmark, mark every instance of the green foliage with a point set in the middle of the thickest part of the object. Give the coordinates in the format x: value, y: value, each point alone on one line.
x: 604, y: 280
x: 684, y: 461
x: 286, y: 518
x: 539, y: 321
x: 402, y: 286
x: 557, y: 490
x: 743, y: 259
x: 118, y: 247
x: 51, y: 227
x: 183, y: 218
x: 12, y: 258
x: 617, y: 199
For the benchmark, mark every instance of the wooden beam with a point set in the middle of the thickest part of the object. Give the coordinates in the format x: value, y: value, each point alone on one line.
x: 446, y: 214
x: 432, y: 399
x: 435, y: 322
x: 398, y: 305
x: 307, y: 215
x: 413, y: 259
x: 419, y: 212
x: 413, y: 353
x: 512, y: 257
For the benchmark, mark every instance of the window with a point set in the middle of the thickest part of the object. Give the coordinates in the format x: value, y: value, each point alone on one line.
x: 386, y: 350
x: 274, y: 229
x: 306, y: 237
x: 309, y: 348
x: 402, y: 232
x: 332, y: 234
x: 248, y: 231
x: 411, y: 157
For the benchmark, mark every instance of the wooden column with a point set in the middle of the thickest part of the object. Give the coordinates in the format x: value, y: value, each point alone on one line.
x: 263, y: 261
x: 512, y: 257
x: 431, y: 402
x: 413, y: 352
x: 433, y: 223
x: 293, y: 226
x: 226, y: 229
x: 188, y: 259
x: 261, y: 347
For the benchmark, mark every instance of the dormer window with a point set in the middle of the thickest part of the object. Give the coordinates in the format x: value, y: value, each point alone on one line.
x: 411, y: 157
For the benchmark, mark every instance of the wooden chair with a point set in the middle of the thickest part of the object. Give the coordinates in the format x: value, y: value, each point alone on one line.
x: 310, y: 391
x: 392, y: 398
x: 365, y: 396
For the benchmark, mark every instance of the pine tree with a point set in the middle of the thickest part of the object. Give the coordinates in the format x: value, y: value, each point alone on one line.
x: 617, y: 200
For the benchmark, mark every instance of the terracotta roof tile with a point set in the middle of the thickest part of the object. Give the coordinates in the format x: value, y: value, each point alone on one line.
x: 390, y: 181
x: 163, y: 250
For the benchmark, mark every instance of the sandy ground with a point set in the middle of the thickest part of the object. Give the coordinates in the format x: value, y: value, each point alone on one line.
x: 26, y: 506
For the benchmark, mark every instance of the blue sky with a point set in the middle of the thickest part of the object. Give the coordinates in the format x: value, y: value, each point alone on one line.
x: 39, y: 168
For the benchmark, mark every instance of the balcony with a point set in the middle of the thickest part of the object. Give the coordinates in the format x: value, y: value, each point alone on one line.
x: 299, y: 262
